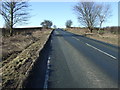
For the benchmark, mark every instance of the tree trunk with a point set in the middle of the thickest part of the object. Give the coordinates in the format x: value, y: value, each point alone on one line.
x: 90, y: 29
x: 11, y: 21
x: 11, y: 31
x: 100, y: 27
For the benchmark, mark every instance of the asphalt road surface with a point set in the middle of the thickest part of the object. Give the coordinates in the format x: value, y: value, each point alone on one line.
x: 80, y: 62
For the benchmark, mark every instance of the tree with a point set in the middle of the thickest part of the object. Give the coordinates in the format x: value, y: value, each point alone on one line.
x: 68, y: 23
x: 87, y: 14
x: 7, y: 26
x: 14, y: 12
x: 103, y: 14
x: 54, y: 26
x: 46, y: 24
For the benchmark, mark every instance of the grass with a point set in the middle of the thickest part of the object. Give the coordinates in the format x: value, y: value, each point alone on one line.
x: 16, y: 69
x: 105, y: 36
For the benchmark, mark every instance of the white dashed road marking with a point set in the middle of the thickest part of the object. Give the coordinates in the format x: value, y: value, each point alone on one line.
x: 101, y: 51
x: 76, y: 38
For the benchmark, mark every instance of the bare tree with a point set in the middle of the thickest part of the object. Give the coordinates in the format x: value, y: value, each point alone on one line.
x: 68, y: 23
x: 87, y: 14
x: 104, y: 13
x: 14, y: 12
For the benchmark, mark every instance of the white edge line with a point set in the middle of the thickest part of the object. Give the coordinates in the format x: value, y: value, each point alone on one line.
x: 47, y: 74
x: 101, y: 51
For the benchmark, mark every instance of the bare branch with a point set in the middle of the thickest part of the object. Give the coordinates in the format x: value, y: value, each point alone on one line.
x: 14, y: 12
x: 104, y: 13
x: 91, y: 13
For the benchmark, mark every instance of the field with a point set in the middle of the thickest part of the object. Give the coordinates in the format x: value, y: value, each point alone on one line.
x: 108, y: 35
x: 19, y: 54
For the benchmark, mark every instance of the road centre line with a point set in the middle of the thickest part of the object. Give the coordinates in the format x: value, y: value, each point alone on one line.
x: 101, y: 51
x: 75, y: 38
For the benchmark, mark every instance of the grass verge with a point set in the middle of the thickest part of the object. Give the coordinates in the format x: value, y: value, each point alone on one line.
x: 17, y: 69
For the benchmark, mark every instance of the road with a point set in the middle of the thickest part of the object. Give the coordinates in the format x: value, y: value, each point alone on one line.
x: 80, y: 62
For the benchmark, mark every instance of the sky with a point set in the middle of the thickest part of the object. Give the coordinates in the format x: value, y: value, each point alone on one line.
x: 59, y: 13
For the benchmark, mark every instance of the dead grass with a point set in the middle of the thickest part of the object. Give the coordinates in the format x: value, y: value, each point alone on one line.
x: 107, y: 37
x: 12, y: 46
x: 16, y: 67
